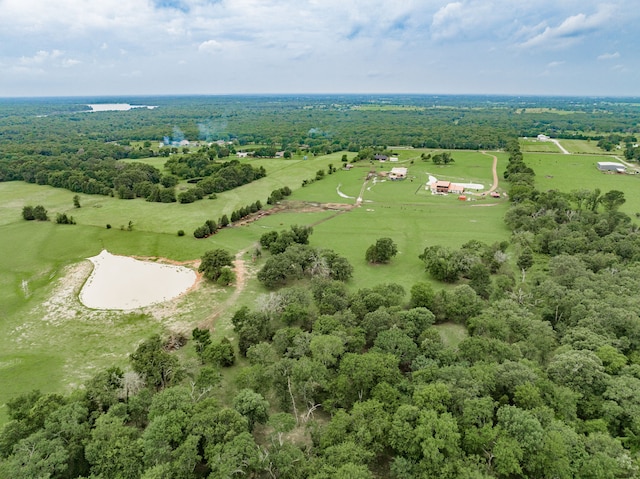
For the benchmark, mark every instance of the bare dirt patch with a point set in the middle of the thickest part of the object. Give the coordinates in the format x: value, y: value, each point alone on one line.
x: 293, y: 207
x: 63, y: 303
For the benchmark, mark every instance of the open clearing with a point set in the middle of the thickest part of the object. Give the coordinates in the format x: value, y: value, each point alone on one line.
x: 575, y: 172
x: 528, y: 145
x: 54, y: 342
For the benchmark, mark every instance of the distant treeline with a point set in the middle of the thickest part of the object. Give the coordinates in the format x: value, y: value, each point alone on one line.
x: 108, y: 176
x: 318, y: 124
x: 56, y: 142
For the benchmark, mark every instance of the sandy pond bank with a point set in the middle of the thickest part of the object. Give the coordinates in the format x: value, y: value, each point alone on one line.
x: 123, y: 283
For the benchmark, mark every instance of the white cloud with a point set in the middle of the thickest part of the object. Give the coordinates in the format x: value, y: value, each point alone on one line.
x: 332, y: 45
x: 447, y: 21
x: 609, y: 56
x: 572, y: 30
x: 210, y: 46
x: 70, y: 62
x: 40, y: 57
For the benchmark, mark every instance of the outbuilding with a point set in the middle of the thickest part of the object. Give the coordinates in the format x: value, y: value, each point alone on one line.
x: 611, y: 166
x: 442, y: 186
x: 456, y: 189
x: 398, y: 173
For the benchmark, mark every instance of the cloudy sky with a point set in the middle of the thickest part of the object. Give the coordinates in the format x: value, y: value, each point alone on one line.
x: 119, y: 47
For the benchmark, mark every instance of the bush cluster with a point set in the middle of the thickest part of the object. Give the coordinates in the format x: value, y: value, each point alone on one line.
x: 38, y: 212
x: 278, y: 194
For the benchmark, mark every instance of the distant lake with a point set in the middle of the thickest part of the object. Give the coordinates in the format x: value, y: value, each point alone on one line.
x: 117, y: 107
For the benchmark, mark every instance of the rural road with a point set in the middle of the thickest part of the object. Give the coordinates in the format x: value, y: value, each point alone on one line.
x: 627, y: 164
x: 240, y: 270
x: 562, y: 148
x: 494, y: 170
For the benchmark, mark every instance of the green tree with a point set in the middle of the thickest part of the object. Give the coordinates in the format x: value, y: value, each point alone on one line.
x: 397, y: 342
x: 213, y: 262
x: 220, y: 353
x: 422, y: 295
x: 76, y: 201
x: 113, y: 449
x: 227, y: 277
x: 359, y: 373
x: 612, y: 200
x: 382, y: 251
x: 251, y: 405
x: 158, y: 367
x: 36, y: 456
x: 525, y: 261
x: 27, y: 213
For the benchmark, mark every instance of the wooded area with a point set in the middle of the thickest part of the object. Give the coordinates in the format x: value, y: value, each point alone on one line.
x: 361, y: 382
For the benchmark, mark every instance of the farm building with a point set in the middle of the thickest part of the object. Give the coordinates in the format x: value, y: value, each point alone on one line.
x: 611, y: 166
x: 398, y: 174
x: 456, y: 189
x: 381, y: 157
x: 441, y: 186
x: 446, y: 187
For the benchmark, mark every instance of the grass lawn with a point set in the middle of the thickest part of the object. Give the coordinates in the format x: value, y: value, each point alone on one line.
x: 54, y: 349
x: 529, y: 145
x: 575, y: 172
x: 589, y: 147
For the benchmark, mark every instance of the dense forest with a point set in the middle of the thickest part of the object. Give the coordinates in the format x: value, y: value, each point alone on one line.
x: 337, y: 382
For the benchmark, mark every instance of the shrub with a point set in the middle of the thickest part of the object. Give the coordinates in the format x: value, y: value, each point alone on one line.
x: 63, y: 219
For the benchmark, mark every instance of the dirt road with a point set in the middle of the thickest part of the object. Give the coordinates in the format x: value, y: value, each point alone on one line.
x: 240, y: 270
x: 494, y: 170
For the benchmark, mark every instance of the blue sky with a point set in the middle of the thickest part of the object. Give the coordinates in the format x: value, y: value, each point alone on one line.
x: 116, y: 47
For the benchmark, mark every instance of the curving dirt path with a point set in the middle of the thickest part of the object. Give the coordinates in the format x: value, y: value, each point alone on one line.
x: 240, y: 270
x: 494, y: 170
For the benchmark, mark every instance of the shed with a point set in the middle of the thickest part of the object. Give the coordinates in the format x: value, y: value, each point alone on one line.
x: 381, y: 157
x: 611, y: 166
x: 398, y: 173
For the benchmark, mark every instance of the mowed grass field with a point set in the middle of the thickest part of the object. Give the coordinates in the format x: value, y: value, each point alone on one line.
x: 530, y: 145
x: 576, y: 172
x: 55, y: 349
x: 588, y: 147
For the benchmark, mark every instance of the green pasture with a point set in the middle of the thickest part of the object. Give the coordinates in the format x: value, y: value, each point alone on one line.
x: 588, y: 147
x: 531, y: 145
x: 404, y: 211
x: 576, y: 172
x: 42, y: 350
